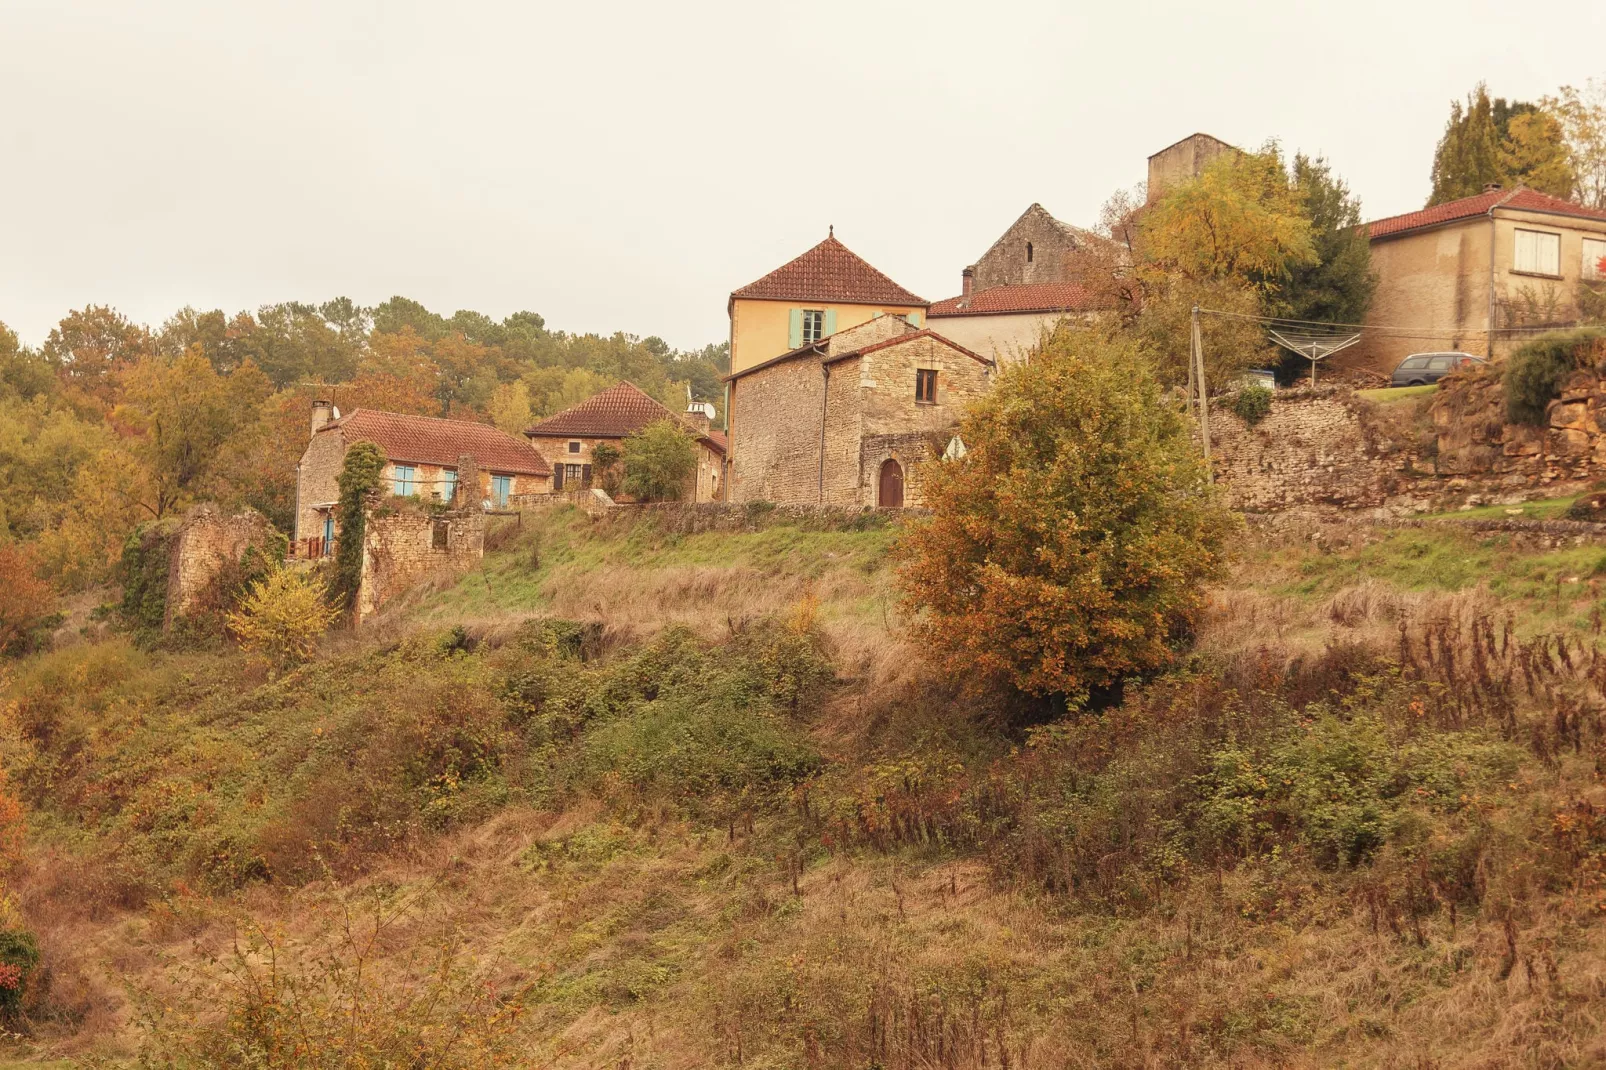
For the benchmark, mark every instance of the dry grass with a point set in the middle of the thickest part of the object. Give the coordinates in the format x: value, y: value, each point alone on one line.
x: 644, y: 939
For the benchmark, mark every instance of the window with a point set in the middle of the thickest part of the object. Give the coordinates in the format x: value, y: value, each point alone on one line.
x: 926, y: 386
x: 328, y: 534
x: 448, y: 484
x: 1413, y: 364
x: 1537, y: 253
x: 440, y: 537
x: 501, y: 488
x: 1443, y: 364
x: 574, y: 447
x: 404, y: 481
x: 1594, y: 255
x: 813, y: 325
x: 1028, y: 252
x: 574, y: 475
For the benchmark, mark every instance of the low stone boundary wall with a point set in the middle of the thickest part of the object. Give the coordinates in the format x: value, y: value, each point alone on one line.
x: 692, y: 517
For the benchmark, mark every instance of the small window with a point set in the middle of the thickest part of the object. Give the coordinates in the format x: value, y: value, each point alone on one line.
x: 1537, y: 253
x: 926, y: 386
x: 1594, y: 259
x: 813, y: 325
x: 501, y: 489
x: 441, y: 535
x: 404, y: 481
x: 448, y: 484
x: 574, y: 447
x: 1028, y: 252
x: 574, y: 475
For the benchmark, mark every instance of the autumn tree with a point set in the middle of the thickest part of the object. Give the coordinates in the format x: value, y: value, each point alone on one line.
x: 1070, y: 548
x: 658, y: 461
x: 1230, y: 240
x: 1498, y: 141
x: 282, y: 617
x: 1582, y: 115
x: 91, y: 347
x: 26, y: 601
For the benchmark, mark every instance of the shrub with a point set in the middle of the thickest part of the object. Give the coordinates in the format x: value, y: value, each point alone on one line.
x: 26, y: 601
x: 1070, y: 547
x: 605, y: 471
x: 1251, y: 404
x: 143, y: 571
x: 1538, y: 369
x: 282, y: 617
x: 658, y: 461
x: 19, y: 961
x: 359, y: 477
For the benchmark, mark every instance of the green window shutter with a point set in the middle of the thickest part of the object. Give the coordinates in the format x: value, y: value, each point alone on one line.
x: 830, y: 322
x: 794, y: 331
x: 914, y: 319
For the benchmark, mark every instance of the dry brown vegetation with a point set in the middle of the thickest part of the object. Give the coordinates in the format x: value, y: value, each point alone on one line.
x: 893, y: 876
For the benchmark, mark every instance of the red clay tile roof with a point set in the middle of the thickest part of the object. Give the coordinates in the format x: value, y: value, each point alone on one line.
x: 1035, y: 297
x: 829, y: 272
x: 616, y: 412
x: 427, y: 440
x: 1467, y: 207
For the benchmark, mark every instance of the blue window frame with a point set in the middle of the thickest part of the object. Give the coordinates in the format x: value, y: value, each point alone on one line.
x: 328, y: 533
x: 501, y: 487
x: 404, y: 481
x: 448, y: 484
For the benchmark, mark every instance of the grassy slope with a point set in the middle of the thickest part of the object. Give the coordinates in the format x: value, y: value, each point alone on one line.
x: 656, y: 931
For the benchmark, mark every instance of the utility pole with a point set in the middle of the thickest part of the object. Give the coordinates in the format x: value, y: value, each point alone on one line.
x: 1196, y: 375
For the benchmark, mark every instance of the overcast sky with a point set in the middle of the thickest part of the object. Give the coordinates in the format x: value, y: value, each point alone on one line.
x: 624, y: 166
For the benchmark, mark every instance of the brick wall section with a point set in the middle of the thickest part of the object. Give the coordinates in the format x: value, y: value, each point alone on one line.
x: 399, y: 550
x: 206, y: 543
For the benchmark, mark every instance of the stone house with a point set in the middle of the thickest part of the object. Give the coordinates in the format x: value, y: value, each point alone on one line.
x: 423, y: 458
x: 1023, y: 286
x: 1478, y: 275
x: 851, y: 419
x: 826, y: 290
x: 568, y: 438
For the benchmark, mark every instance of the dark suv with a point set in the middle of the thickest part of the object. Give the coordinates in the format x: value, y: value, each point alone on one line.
x: 1419, y: 369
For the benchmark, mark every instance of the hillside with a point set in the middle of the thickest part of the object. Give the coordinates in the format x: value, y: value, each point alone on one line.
x: 631, y: 797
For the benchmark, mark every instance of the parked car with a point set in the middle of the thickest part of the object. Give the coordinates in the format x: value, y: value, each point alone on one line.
x: 1420, y: 369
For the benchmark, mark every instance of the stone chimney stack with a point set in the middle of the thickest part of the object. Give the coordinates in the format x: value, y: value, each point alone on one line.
x: 322, y: 413
x: 1491, y: 187
x: 467, y: 493
x: 700, y: 414
x: 967, y: 279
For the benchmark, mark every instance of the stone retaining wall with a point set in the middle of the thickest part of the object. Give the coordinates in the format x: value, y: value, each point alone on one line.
x: 407, y: 544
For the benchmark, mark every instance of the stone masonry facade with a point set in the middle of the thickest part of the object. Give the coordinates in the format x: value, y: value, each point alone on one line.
x: 816, y: 429
x: 1036, y: 248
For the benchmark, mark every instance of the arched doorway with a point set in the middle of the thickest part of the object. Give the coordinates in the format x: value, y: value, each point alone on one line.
x: 891, y: 485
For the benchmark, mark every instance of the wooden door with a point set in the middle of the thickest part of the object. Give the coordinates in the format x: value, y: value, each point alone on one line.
x: 891, y: 492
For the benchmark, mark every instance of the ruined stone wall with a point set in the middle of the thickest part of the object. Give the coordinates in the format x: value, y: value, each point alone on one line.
x: 207, y: 543
x: 1314, y: 448
x: 403, y: 545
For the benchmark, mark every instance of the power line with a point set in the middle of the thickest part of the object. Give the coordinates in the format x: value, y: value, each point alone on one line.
x: 1419, y: 332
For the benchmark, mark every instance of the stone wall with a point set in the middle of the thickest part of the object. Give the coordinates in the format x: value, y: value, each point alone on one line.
x: 207, y: 543
x: 775, y: 433
x: 1314, y: 448
x: 1474, y: 439
x: 405, y: 544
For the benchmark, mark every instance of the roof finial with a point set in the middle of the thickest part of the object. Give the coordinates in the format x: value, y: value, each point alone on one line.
x: 830, y: 231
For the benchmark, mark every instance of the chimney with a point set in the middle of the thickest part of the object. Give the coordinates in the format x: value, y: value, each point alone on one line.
x: 700, y: 414
x: 1491, y: 187
x: 967, y: 279
x: 322, y: 413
